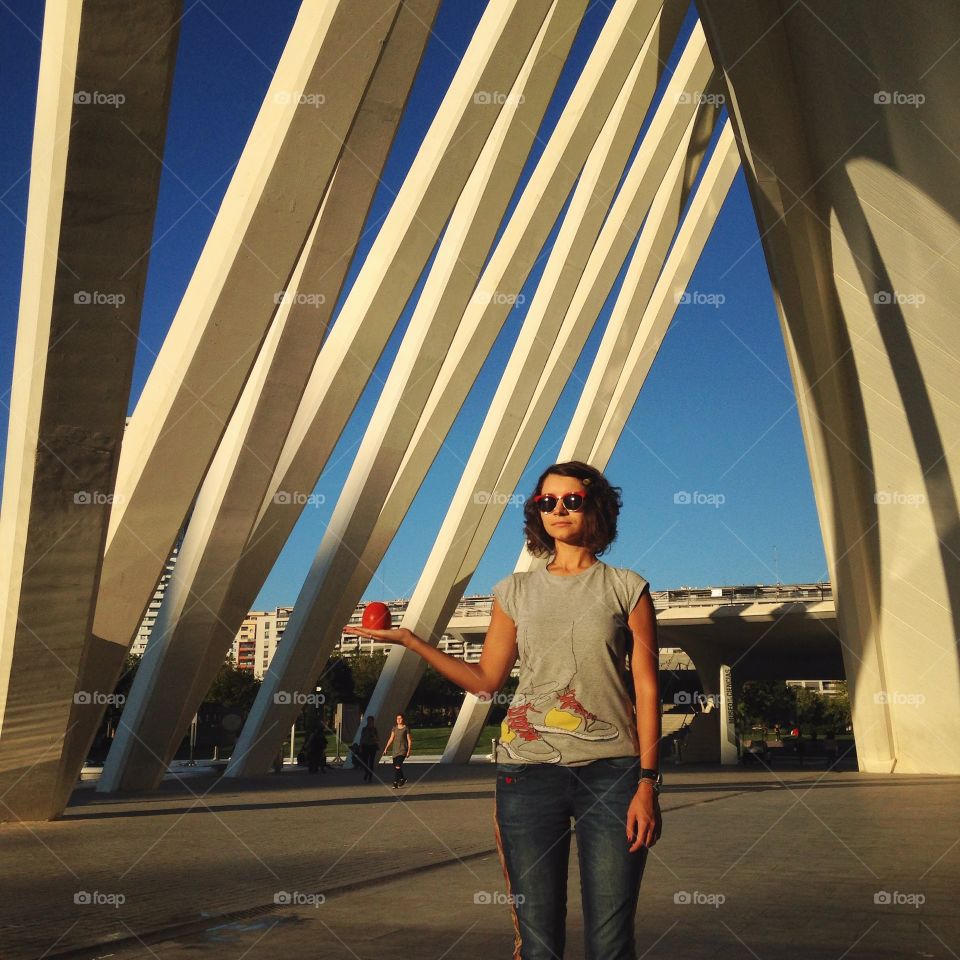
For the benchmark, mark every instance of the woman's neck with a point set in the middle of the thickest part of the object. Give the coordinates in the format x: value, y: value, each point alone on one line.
x: 571, y: 559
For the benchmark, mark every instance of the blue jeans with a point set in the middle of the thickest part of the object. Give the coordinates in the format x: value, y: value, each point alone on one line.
x: 534, y: 804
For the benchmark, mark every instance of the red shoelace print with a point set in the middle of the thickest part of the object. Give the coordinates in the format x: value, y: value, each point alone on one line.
x: 517, y: 720
x: 569, y: 702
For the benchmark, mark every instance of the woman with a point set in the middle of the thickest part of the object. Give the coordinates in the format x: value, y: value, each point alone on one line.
x: 401, y: 750
x: 572, y: 744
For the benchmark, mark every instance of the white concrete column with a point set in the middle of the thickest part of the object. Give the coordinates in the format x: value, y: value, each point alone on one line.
x: 102, y: 99
x: 851, y: 164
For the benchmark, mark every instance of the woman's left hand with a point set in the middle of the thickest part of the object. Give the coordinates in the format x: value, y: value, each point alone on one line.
x: 643, y: 818
x: 400, y: 635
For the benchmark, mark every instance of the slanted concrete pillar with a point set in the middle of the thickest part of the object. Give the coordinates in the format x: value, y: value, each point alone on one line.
x: 846, y: 118
x: 102, y: 99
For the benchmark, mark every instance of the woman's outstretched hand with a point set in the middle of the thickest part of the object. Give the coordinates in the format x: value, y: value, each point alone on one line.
x: 643, y: 818
x: 399, y: 635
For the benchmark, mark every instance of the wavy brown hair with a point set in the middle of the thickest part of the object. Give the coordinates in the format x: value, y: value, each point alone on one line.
x: 601, y: 507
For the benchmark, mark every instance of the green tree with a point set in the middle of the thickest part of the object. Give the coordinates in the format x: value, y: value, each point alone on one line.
x: 810, y: 707
x: 836, y: 710
x: 765, y: 702
x: 366, y: 669
x: 233, y: 687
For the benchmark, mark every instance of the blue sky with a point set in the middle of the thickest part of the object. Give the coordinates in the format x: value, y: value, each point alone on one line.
x: 717, y: 414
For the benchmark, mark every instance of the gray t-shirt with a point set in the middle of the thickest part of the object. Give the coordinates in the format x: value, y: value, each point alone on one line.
x: 401, y: 741
x: 572, y: 704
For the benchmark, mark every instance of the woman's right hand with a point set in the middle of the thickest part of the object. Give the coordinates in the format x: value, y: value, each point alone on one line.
x: 400, y: 635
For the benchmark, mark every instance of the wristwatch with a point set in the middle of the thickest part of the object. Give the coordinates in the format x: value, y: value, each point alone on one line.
x: 654, y: 775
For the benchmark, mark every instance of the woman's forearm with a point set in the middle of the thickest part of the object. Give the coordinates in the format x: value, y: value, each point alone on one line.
x: 648, y: 726
x: 463, y: 674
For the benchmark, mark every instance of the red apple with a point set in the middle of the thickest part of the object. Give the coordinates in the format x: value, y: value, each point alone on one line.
x: 376, y: 616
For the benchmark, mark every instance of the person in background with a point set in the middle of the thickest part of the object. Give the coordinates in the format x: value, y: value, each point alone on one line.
x: 315, y: 750
x: 402, y: 741
x: 369, y: 745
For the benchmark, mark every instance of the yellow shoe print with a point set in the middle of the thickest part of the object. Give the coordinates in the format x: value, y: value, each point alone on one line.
x: 570, y: 716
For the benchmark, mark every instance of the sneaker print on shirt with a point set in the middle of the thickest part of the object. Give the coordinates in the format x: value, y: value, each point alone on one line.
x: 550, y: 707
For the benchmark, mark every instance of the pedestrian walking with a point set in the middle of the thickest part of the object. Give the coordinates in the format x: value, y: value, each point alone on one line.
x: 369, y: 747
x: 402, y: 741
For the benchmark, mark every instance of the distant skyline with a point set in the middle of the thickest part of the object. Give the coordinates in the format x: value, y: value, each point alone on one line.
x: 716, y: 418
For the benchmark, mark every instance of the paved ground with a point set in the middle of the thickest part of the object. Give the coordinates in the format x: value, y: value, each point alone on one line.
x: 752, y: 863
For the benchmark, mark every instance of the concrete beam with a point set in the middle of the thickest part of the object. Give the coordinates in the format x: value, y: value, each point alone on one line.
x: 846, y: 117
x: 102, y: 100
